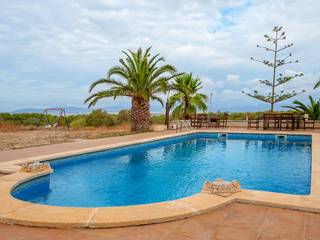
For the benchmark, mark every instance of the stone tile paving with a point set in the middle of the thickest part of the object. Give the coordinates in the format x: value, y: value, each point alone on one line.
x: 236, y: 221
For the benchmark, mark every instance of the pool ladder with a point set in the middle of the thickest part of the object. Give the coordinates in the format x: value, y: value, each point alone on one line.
x: 183, y: 123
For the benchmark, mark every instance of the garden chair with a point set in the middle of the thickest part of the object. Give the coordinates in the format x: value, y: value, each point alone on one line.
x: 308, y: 123
x: 213, y: 121
x: 271, y: 120
x: 286, y: 120
x: 224, y: 120
x: 253, y: 122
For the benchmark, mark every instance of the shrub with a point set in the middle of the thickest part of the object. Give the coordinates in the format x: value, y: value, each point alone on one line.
x: 159, y: 119
x: 30, y: 121
x: 99, y: 118
x: 110, y: 120
x: 5, y: 117
x: 79, y: 122
x: 123, y: 116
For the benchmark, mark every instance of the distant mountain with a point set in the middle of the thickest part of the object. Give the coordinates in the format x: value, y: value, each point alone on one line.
x: 83, y: 110
x: 69, y: 110
x: 28, y: 110
x: 243, y: 108
x: 155, y: 109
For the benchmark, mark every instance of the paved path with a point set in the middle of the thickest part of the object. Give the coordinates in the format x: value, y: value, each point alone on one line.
x: 233, y: 222
x: 9, y: 155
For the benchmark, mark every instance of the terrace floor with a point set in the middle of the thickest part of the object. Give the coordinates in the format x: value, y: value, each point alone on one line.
x: 236, y: 221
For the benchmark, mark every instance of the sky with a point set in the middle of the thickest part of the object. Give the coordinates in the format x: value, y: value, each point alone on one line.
x: 51, y: 51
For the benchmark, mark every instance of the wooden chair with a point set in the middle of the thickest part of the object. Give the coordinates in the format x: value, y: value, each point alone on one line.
x: 213, y: 121
x: 194, y: 122
x: 271, y: 120
x: 202, y: 119
x: 308, y: 124
x: 253, y: 123
x: 287, y: 120
x: 224, y: 120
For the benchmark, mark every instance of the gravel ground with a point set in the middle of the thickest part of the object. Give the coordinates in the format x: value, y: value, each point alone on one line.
x: 29, y: 138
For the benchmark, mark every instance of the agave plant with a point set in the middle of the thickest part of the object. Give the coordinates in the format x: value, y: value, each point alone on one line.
x: 139, y: 77
x: 187, y: 97
x: 313, y: 110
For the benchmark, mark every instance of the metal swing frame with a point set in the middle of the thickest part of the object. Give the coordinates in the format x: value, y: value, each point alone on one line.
x: 62, y: 115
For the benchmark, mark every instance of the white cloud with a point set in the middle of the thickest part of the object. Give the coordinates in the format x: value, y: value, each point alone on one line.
x: 52, y: 42
x: 232, y: 79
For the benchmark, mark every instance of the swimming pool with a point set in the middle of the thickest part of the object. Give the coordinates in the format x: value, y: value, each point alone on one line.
x: 174, y: 168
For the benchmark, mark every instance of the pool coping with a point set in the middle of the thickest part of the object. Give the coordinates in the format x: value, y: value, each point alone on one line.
x: 15, y: 211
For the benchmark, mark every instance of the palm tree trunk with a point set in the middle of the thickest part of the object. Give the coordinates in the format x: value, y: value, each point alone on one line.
x: 167, y: 114
x: 140, y: 114
x: 186, y: 106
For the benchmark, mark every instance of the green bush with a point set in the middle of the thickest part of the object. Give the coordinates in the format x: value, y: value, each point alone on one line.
x: 158, y: 119
x: 5, y: 117
x: 123, y: 116
x: 79, y: 122
x: 30, y: 121
x: 100, y: 118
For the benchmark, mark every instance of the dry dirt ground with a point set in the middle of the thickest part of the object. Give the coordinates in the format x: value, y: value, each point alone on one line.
x: 22, y: 138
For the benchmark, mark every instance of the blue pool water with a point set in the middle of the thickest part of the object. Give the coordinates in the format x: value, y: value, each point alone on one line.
x: 173, y: 168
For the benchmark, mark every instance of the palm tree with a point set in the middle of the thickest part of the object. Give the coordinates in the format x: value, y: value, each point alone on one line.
x: 313, y: 110
x: 140, y: 77
x: 317, y: 84
x: 187, y: 96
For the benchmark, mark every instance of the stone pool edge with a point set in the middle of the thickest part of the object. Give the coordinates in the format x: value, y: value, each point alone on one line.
x: 15, y: 211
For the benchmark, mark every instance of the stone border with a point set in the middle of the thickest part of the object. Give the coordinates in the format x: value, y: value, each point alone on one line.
x: 15, y: 211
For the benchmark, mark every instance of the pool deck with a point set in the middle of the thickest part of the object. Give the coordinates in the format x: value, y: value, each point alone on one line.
x: 234, y: 222
x: 14, y: 211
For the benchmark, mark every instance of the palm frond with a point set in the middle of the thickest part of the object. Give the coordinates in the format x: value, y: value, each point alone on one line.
x: 313, y: 110
x: 156, y: 98
x: 141, y: 75
x: 104, y: 81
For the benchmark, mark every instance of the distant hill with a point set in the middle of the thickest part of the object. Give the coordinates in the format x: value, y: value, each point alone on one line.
x: 69, y: 110
x: 83, y: 110
x: 154, y: 109
x: 243, y: 108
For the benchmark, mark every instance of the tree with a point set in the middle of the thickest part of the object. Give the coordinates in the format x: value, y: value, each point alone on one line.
x: 141, y: 78
x: 187, y: 96
x: 169, y: 104
x: 276, y: 63
x: 317, y: 84
x: 99, y: 118
x: 313, y: 110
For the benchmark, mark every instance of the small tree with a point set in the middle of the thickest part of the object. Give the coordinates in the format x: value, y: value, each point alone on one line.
x: 276, y: 63
x: 187, y: 97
